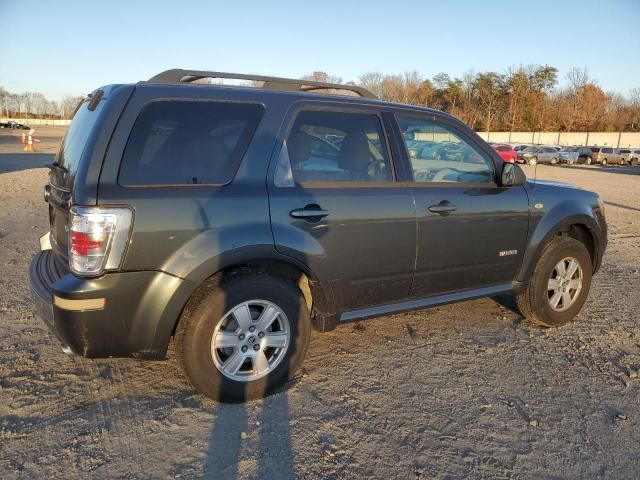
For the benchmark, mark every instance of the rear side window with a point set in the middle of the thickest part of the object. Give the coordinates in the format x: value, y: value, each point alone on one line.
x: 188, y: 143
x: 335, y: 147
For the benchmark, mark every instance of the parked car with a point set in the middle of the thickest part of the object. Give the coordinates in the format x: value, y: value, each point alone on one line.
x: 635, y: 157
x: 520, y: 147
x: 14, y: 125
x: 610, y: 156
x: 571, y: 155
x: 625, y: 156
x: 201, y: 213
x: 533, y: 155
x: 506, y: 152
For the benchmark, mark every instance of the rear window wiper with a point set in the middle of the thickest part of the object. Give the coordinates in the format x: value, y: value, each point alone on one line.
x: 57, y: 166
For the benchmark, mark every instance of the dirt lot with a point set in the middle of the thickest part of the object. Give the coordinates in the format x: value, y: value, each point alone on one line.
x: 462, y: 391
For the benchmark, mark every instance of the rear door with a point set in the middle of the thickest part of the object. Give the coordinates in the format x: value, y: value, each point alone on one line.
x: 336, y: 205
x: 471, y: 232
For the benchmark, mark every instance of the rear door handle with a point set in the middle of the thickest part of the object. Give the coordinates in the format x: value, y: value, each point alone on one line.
x: 309, y: 212
x: 444, y: 208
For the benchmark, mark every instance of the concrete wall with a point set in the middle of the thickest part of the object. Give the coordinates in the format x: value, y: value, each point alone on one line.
x: 37, y: 121
x: 609, y: 139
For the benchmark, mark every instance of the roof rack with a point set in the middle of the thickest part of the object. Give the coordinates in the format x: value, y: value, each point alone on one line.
x: 179, y: 75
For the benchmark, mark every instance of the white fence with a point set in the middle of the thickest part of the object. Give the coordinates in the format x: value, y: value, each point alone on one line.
x: 608, y: 139
x: 37, y: 121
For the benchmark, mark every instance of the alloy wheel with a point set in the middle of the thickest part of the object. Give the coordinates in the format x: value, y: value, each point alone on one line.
x: 565, y: 284
x: 250, y: 340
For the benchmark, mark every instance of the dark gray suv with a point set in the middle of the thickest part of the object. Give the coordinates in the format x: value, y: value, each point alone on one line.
x: 236, y: 219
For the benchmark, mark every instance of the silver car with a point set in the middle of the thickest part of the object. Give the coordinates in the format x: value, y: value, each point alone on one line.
x: 571, y: 155
x: 534, y: 154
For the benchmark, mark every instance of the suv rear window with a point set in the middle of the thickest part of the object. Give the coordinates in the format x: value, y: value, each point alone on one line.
x: 76, y: 137
x: 188, y: 143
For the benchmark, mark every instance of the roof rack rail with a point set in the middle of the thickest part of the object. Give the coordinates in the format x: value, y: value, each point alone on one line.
x: 179, y: 75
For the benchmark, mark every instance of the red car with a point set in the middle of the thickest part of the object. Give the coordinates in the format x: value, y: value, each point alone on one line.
x: 507, y: 153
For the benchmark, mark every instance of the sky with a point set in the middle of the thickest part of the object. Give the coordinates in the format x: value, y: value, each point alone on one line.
x: 74, y: 46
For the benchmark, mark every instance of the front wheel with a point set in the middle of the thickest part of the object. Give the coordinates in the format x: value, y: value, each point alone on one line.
x: 559, y: 285
x: 533, y: 161
x: 588, y: 161
x: 603, y: 162
x: 554, y: 160
x: 244, y: 338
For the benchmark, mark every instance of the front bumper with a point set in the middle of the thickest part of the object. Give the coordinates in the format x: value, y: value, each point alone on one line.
x: 123, y: 314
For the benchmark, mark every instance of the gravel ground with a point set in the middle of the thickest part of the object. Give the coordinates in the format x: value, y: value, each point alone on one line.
x: 462, y: 391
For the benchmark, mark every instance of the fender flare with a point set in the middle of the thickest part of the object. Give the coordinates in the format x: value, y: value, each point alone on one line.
x: 557, y: 220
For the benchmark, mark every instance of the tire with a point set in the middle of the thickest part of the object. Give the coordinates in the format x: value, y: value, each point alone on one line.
x: 634, y: 162
x: 532, y: 161
x: 603, y: 163
x: 554, y: 160
x: 588, y: 161
x: 204, y: 316
x: 534, y: 301
x: 623, y: 162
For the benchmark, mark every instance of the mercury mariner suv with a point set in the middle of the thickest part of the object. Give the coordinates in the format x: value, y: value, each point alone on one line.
x: 232, y: 220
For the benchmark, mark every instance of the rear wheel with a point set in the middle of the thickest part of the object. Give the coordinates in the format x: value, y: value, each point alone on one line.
x: 244, y: 338
x: 603, y: 162
x: 623, y: 162
x: 533, y: 160
x: 559, y: 285
x: 588, y: 161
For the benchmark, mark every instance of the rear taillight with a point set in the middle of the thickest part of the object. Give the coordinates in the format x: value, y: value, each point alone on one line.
x: 98, y: 238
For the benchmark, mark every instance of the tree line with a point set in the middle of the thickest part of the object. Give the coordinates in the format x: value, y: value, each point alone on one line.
x: 36, y: 105
x: 522, y: 99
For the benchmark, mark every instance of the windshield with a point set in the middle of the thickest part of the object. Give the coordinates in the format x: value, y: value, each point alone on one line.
x: 531, y: 149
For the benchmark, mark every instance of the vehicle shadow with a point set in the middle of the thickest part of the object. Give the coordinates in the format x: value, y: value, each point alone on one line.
x: 625, y: 170
x: 252, y: 438
x: 15, y: 162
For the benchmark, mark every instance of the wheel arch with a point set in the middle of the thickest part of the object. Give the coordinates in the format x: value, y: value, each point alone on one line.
x: 579, y: 225
x: 317, y: 294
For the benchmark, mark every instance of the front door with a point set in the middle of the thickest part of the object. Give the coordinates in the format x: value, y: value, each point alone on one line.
x: 471, y: 232
x: 336, y: 207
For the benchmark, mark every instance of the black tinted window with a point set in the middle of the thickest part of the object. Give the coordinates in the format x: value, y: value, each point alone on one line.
x: 338, y: 147
x: 182, y: 143
x: 76, y: 137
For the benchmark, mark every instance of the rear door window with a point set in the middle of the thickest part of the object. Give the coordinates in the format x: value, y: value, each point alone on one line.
x: 188, y: 143
x: 337, y: 147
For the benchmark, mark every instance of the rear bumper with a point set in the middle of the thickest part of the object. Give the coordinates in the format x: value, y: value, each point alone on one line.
x: 124, y: 314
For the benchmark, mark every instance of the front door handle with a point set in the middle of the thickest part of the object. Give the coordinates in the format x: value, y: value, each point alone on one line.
x: 310, y: 212
x: 443, y: 209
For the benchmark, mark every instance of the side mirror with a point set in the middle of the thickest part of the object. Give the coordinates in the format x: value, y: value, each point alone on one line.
x: 512, y: 175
